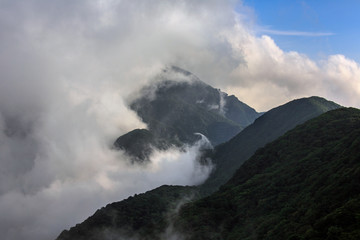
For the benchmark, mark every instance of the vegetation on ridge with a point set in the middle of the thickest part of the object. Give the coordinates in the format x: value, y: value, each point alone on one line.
x: 228, y: 157
x: 304, y: 185
x: 139, y: 144
x: 145, y: 216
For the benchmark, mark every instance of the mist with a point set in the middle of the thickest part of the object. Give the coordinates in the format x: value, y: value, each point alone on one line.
x: 67, y: 69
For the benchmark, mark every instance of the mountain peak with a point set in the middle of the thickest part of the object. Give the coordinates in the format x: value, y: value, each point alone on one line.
x: 271, y: 125
x: 179, y: 70
x: 178, y: 104
x: 304, y: 185
x: 176, y: 74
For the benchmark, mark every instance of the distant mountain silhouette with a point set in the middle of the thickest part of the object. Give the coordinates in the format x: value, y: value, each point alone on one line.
x: 175, y: 109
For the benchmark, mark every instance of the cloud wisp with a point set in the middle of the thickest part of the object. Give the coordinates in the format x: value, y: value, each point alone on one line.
x: 294, y: 33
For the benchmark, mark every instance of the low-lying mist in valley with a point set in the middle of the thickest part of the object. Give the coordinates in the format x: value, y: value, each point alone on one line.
x: 71, y: 183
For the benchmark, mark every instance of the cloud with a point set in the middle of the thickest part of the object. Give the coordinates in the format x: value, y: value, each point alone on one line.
x: 61, y: 193
x: 66, y: 69
x: 270, y: 76
x: 294, y: 33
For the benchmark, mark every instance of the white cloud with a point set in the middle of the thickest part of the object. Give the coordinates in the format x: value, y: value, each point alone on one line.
x: 294, y: 33
x: 66, y: 68
x: 271, y: 76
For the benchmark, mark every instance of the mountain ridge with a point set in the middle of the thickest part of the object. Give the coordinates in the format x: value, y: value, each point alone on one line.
x: 175, y: 109
x: 86, y: 229
x: 304, y: 185
x: 143, y: 215
x: 229, y: 156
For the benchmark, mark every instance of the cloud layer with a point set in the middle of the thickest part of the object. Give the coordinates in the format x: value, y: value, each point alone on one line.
x: 270, y: 76
x: 66, y: 69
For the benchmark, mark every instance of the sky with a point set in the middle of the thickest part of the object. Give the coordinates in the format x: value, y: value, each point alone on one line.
x: 316, y: 28
x: 68, y: 69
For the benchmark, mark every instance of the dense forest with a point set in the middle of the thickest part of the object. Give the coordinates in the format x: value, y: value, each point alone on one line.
x: 290, y: 173
x: 304, y: 185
